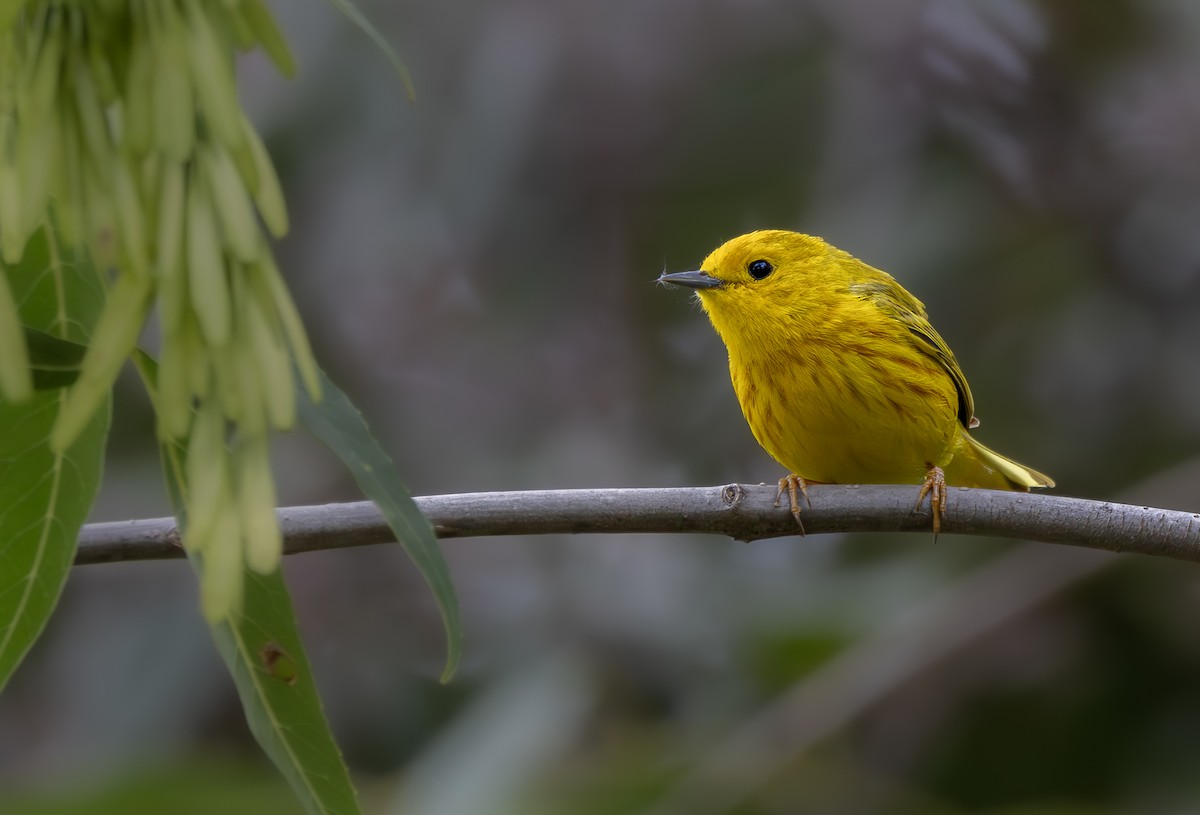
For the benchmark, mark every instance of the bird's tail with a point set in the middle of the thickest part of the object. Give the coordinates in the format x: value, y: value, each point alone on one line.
x: 977, y: 466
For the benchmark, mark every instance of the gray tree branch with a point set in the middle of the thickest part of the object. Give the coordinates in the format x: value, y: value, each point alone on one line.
x: 742, y: 512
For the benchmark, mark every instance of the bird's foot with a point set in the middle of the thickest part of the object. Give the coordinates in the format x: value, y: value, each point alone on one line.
x: 935, y: 488
x: 795, y: 486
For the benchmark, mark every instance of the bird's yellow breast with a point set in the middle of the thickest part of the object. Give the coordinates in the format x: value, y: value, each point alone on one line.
x: 847, y: 398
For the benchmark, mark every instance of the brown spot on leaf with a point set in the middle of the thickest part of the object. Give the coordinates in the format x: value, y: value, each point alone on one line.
x: 278, y: 664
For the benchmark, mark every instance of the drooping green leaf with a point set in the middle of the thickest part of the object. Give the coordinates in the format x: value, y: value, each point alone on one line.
x: 44, y: 496
x: 264, y: 654
x: 352, y: 13
x: 337, y: 423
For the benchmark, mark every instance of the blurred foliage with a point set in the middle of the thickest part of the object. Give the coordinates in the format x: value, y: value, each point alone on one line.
x: 477, y: 271
x: 198, y: 788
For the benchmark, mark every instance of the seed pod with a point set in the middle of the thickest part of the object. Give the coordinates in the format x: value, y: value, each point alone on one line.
x: 274, y: 367
x: 227, y: 381
x: 42, y: 86
x: 113, y: 340
x: 174, y: 111
x: 168, y: 268
x: 35, y: 158
x: 293, y: 327
x: 67, y: 184
x: 129, y: 214
x: 209, y: 492
x: 268, y: 194
x: 250, y: 385
x: 99, y: 214
x: 92, y: 123
x: 256, y: 505
x: 208, y: 284
x: 16, y: 383
x: 12, y: 235
x: 212, y: 77
x: 200, y: 366
x: 233, y: 24
x: 239, y: 227
x: 174, y: 409
x: 137, y: 101
x: 221, y: 571
x: 261, y: 23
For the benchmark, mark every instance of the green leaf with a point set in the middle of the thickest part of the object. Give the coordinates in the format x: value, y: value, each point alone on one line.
x: 44, y: 496
x: 351, y: 12
x: 44, y: 499
x: 263, y: 652
x: 58, y: 292
x: 336, y: 422
x: 55, y: 361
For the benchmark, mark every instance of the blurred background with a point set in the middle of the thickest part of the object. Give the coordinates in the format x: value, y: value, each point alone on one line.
x: 477, y: 272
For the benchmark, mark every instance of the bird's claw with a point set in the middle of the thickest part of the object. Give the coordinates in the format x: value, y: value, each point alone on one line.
x: 795, y: 486
x: 935, y: 488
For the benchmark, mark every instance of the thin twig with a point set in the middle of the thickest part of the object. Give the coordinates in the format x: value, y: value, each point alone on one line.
x: 739, y: 511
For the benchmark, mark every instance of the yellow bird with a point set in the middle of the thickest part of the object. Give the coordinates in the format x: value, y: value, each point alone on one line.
x: 840, y: 375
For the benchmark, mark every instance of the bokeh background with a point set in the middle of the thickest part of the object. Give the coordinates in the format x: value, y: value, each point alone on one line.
x: 477, y: 272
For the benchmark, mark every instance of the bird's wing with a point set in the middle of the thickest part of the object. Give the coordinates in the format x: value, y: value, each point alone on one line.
x: 895, y: 301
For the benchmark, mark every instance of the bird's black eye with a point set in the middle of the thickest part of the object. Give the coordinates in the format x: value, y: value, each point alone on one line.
x: 759, y: 269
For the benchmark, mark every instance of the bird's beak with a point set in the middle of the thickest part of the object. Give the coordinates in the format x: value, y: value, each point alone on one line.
x: 691, y: 280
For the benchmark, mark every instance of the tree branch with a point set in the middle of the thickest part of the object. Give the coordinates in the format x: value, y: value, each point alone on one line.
x: 742, y: 512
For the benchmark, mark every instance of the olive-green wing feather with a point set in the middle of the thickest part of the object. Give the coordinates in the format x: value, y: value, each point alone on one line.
x: 893, y: 300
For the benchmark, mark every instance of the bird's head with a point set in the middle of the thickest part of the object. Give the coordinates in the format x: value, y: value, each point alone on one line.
x: 762, y: 280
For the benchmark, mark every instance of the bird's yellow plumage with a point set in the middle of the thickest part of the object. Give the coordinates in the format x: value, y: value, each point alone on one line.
x: 840, y: 375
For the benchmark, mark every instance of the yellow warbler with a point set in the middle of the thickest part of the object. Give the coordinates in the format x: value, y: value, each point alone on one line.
x: 840, y: 375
